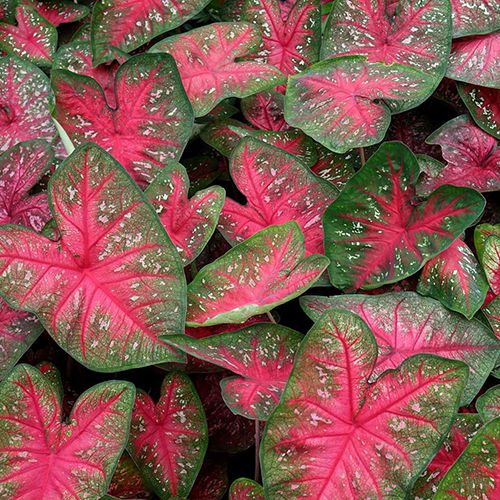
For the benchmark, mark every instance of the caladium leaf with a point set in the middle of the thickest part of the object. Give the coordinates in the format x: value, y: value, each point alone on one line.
x: 18, y: 330
x: 476, y: 59
x: 58, y: 11
x: 481, y: 233
x: 7, y: 8
x: 206, y: 58
x: 262, y: 355
x: 152, y: 121
x: 476, y: 473
x: 405, y: 324
x: 376, y: 232
x: 483, y: 104
x: 455, y: 278
x: 278, y: 188
x: 488, y: 404
x: 491, y: 262
x: 212, y: 480
x: 33, y: 39
x: 21, y: 168
x: 292, y: 42
x: 336, y: 168
x: 168, y: 440
x: 255, y: 276
x: 464, y: 429
x: 189, y: 223
x: 128, y: 24
x: 417, y: 35
x: 265, y: 110
x: 472, y: 155
x: 24, y: 103
x: 333, y: 432
x: 127, y: 481
x: 492, y: 313
x: 474, y: 17
x: 346, y: 102
x: 112, y: 283
x: 83, y: 452
x: 246, y: 489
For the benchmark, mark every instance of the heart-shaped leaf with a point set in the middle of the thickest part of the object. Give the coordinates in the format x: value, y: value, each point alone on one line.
x: 333, y: 432
x: 376, y: 231
x: 405, y: 324
x: 491, y: 262
x: 58, y: 11
x: 455, y: 278
x: 151, y: 124
x: 473, y: 17
x: 21, y: 168
x: 417, y: 35
x: 292, y: 42
x: 464, y: 429
x: 128, y: 24
x: 488, y: 404
x: 18, y: 330
x: 112, y: 283
x: 168, y: 439
x: 255, y: 276
x: 346, y: 102
x: 476, y: 473
x: 483, y: 104
x: 33, y: 39
x: 190, y: 223
x: 278, y: 188
x: 472, y: 155
x: 265, y: 110
x: 24, y: 103
x: 476, y: 60
x: 246, y: 489
x: 262, y: 355
x: 45, y: 458
x: 206, y: 58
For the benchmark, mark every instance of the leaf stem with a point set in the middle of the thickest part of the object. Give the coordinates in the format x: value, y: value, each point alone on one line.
x: 362, y: 155
x: 257, y: 449
x: 270, y: 316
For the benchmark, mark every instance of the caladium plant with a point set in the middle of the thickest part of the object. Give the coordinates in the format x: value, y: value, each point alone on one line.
x: 246, y: 489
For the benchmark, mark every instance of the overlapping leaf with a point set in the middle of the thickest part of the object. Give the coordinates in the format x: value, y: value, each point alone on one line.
x: 476, y: 473
x: 21, y: 168
x: 42, y: 457
x: 455, y: 278
x: 476, y: 60
x: 33, y: 39
x: 481, y: 233
x: 189, y: 222
x: 492, y: 313
x: 128, y: 24
x: 58, y: 11
x: 7, y: 8
x: 278, y: 188
x: 473, y: 17
x: 376, y: 231
x: 488, y: 404
x: 246, y: 489
x: 262, y: 355
x: 168, y: 440
x: 212, y: 481
x: 151, y: 124
x: 24, y: 103
x: 417, y: 35
x: 206, y: 58
x: 346, y: 102
x: 265, y: 110
x: 491, y: 262
x: 257, y: 275
x: 333, y: 432
x: 405, y: 324
x: 112, y: 283
x: 127, y: 481
x: 336, y: 168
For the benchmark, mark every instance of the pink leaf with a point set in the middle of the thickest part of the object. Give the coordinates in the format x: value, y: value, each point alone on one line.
x: 206, y: 58
x: 46, y: 458
x: 58, y: 11
x: 265, y: 110
x: 151, y: 124
x: 168, y: 440
x: 112, y: 283
x: 278, y: 189
x: 472, y: 17
x: 246, y: 489
x: 333, y: 432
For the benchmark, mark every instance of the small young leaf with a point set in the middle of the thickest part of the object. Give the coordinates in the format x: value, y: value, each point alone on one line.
x: 488, y: 404
x: 491, y: 262
x: 58, y: 11
x: 333, y: 432
x: 376, y: 232
x: 255, y: 276
x: 206, y: 58
x: 278, y: 188
x: 265, y: 110
x: 83, y: 452
x: 324, y: 101
x: 113, y: 281
x: 405, y: 324
x: 246, y: 489
x: 262, y: 355
x: 168, y: 440
x: 473, y: 17
x: 190, y: 223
